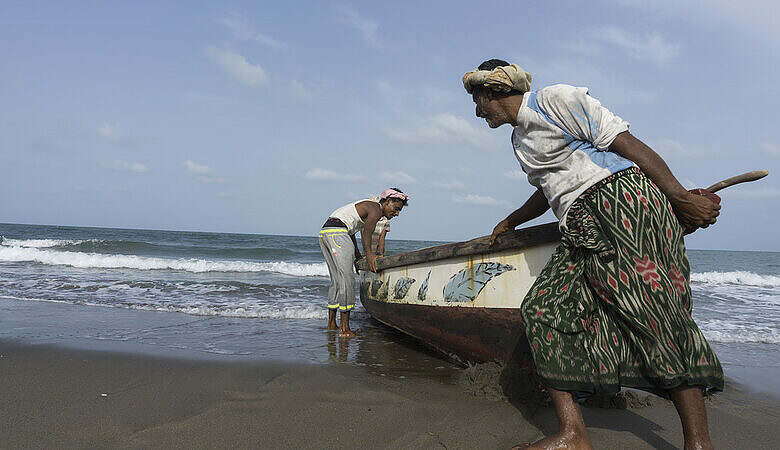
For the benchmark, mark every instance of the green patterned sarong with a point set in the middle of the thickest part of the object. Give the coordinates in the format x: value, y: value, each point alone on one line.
x: 612, y: 308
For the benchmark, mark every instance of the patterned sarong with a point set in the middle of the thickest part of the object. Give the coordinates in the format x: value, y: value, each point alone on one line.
x: 612, y: 308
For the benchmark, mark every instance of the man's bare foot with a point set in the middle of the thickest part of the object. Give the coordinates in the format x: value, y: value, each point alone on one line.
x: 347, y: 334
x: 344, y: 331
x: 564, y: 439
x: 332, y: 326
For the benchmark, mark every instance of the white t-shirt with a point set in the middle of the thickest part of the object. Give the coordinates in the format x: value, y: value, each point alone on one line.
x: 562, y: 140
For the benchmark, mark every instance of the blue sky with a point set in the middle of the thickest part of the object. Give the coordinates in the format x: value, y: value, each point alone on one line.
x: 264, y: 117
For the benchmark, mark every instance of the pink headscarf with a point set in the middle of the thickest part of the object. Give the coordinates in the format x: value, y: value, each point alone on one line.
x: 392, y: 193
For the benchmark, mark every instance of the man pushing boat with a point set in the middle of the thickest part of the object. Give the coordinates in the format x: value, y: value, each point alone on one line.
x: 339, y: 246
x: 612, y: 308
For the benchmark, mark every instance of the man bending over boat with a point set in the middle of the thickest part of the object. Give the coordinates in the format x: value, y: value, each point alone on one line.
x: 339, y: 246
x: 612, y: 307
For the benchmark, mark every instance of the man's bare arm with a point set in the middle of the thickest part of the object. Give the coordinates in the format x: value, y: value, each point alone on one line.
x: 370, y: 212
x: 357, y: 250
x: 692, y: 210
x: 535, y: 206
x: 381, y: 246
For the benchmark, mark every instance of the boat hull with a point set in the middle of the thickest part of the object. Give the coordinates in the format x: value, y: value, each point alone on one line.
x: 463, y: 334
x: 462, y: 299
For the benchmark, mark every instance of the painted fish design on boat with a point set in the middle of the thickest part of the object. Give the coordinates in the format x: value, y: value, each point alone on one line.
x: 381, y: 292
x: 402, y: 287
x: 375, y: 285
x: 465, y: 285
x: 423, y: 292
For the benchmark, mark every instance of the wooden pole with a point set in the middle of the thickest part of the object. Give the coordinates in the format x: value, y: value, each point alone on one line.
x: 744, y: 178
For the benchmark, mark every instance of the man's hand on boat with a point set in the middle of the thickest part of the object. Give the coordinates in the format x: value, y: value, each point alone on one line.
x: 501, y: 228
x: 371, y: 262
x: 535, y: 206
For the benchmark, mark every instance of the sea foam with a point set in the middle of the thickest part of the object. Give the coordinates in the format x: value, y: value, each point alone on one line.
x: 728, y: 332
x: 41, y: 243
x: 237, y: 311
x: 102, y: 261
x: 739, y: 277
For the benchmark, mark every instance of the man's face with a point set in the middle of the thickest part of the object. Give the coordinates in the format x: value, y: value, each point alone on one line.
x: 393, y: 208
x: 489, y: 109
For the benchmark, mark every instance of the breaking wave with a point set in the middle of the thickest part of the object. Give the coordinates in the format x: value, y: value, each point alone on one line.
x: 739, y: 277
x: 125, y: 247
x: 726, y: 332
x: 42, y: 243
x: 237, y: 311
x: 103, y: 261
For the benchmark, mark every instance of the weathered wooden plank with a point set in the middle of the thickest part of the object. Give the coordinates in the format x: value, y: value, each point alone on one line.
x: 517, y: 239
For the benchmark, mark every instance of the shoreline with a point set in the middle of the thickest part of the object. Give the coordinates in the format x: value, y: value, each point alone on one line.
x: 178, y: 335
x: 55, y: 396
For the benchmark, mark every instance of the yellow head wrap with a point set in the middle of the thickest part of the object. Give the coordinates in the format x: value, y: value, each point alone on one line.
x: 501, y: 79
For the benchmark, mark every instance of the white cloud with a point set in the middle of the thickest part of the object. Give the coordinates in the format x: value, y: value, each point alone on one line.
x: 584, y: 47
x: 196, y: 168
x: 516, y: 174
x: 651, y: 47
x: 445, y: 129
x: 453, y: 185
x: 268, y: 41
x: 210, y: 180
x: 770, y: 149
x: 688, y: 183
x: 610, y: 87
x: 482, y: 200
x: 109, y: 132
x: 368, y: 28
x: 751, y: 16
x: 237, y: 66
x: 398, y: 177
x: 318, y: 174
x: 401, y: 98
x: 204, y: 174
x: 128, y: 166
x: 299, y: 90
x: 241, y: 29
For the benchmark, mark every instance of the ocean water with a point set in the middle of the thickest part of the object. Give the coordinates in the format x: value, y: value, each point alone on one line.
x: 248, y: 296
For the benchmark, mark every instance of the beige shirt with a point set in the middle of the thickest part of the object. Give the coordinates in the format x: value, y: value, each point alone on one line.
x: 349, y: 215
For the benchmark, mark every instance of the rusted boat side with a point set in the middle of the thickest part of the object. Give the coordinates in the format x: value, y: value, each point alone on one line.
x: 464, y: 334
x: 464, y: 298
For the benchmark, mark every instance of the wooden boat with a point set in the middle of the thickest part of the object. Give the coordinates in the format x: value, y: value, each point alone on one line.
x: 462, y: 299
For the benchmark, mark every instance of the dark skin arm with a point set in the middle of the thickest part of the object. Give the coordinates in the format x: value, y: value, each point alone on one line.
x: 381, y: 249
x: 370, y: 212
x: 693, y: 211
x: 535, y: 206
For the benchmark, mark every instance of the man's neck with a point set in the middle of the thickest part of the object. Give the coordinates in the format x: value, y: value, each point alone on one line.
x: 511, y: 107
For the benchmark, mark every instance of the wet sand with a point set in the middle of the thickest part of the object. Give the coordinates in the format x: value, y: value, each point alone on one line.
x: 54, y: 397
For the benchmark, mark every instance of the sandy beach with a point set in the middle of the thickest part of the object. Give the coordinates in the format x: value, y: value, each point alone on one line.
x: 55, y: 397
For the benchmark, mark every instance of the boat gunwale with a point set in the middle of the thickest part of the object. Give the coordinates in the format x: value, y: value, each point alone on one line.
x: 547, y: 233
